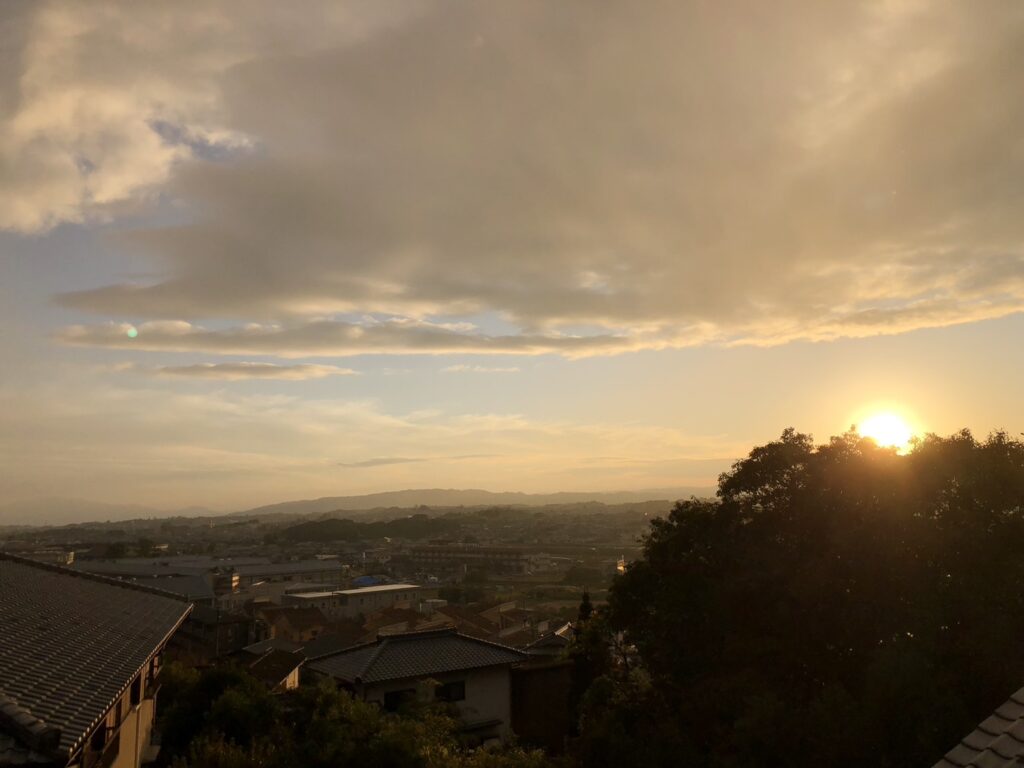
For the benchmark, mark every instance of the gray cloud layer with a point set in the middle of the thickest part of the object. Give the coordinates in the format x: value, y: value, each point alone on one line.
x: 240, y: 371
x: 665, y: 173
x: 328, y: 337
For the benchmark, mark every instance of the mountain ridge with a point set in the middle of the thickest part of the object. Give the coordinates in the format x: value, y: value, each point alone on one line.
x: 470, y: 497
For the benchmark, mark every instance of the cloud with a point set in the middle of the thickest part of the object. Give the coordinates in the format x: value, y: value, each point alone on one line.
x: 379, y: 462
x: 673, y: 174
x: 387, y: 461
x: 102, y: 100
x: 241, y: 371
x: 330, y: 337
x: 462, y: 368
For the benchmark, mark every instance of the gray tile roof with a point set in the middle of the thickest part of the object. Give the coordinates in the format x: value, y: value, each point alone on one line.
x: 70, y: 644
x: 414, y: 655
x: 275, y: 665
x: 263, y: 646
x: 997, y: 743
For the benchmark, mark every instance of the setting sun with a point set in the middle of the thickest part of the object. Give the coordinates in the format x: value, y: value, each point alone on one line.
x: 887, y: 429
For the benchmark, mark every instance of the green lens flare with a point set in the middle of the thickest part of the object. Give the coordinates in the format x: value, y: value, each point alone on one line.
x: 133, y: 332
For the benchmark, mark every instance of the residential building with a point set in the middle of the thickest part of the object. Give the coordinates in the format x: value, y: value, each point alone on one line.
x: 278, y: 669
x: 295, y: 624
x: 552, y: 644
x: 349, y: 603
x: 211, y: 633
x: 441, y: 664
x: 55, y: 556
x: 79, y: 658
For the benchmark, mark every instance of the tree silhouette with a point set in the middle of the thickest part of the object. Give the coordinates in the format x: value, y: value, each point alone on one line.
x: 835, y: 605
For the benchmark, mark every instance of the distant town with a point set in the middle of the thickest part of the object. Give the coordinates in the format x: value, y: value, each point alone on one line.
x: 289, y: 596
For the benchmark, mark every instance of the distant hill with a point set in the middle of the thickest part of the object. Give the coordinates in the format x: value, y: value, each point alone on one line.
x: 441, y: 497
x: 61, y: 511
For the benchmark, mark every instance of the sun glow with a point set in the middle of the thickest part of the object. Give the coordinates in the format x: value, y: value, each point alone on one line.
x: 887, y: 429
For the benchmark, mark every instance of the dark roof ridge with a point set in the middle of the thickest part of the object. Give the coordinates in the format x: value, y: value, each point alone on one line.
x: 91, y: 576
x: 418, y: 633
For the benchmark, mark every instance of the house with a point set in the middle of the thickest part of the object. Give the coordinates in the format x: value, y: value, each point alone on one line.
x: 298, y: 625
x: 552, y: 644
x: 79, y: 657
x: 468, y: 622
x: 441, y: 664
x: 997, y: 741
x: 392, y: 621
x: 278, y: 669
x: 342, y: 634
x: 210, y: 633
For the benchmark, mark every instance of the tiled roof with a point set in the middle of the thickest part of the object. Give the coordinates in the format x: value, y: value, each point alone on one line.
x: 414, y: 655
x: 260, y: 648
x: 275, y: 665
x: 558, y: 638
x: 326, y: 644
x: 341, y: 636
x: 997, y: 742
x: 468, y: 622
x: 70, y: 644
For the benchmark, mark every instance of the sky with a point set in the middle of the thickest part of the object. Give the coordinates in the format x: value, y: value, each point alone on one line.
x: 250, y: 254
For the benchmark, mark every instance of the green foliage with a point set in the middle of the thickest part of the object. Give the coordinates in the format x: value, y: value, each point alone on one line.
x: 590, y: 656
x: 837, y: 605
x: 586, y: 608
x: 224, y: 719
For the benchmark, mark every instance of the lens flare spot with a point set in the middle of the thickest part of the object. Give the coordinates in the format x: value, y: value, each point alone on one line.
x: 132, y: 331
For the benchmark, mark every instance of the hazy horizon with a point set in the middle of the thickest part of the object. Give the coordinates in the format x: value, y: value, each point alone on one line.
x: 64, y: 511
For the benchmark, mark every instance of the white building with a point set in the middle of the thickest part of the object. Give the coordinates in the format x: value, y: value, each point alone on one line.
x: 349, y: 603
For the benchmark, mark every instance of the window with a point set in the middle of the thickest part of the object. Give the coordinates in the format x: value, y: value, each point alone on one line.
x: 393, y: 700
x: 453, y: 691
x: 98, y: 738
x: 136, y: 694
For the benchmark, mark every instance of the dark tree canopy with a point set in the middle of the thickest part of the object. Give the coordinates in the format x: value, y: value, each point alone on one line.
x: 836, y: 605
x: 223, y: 718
